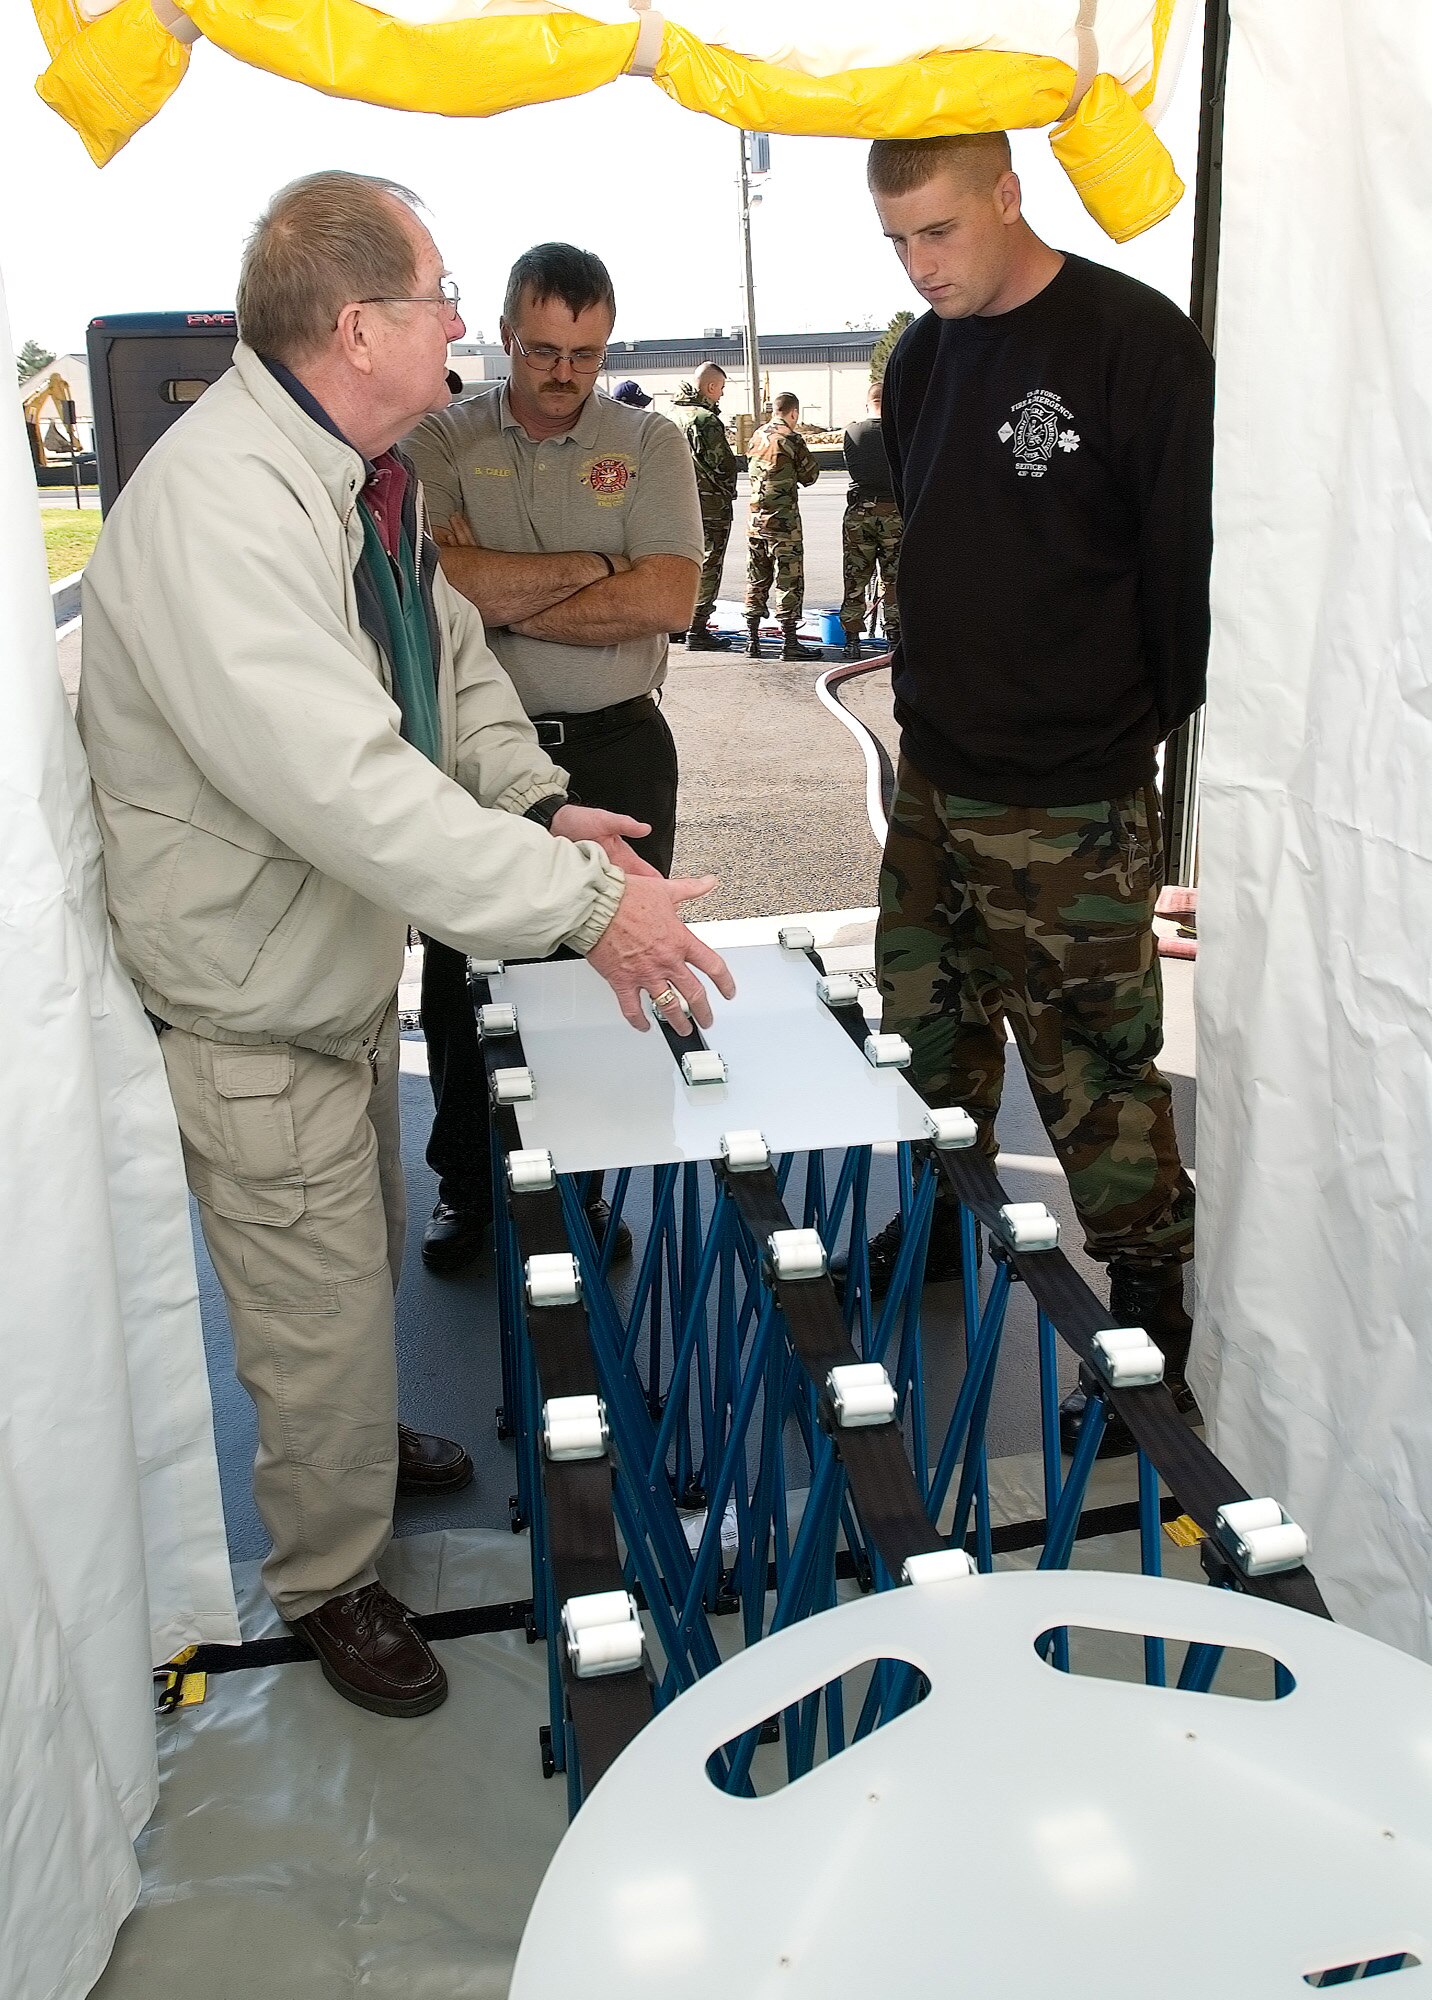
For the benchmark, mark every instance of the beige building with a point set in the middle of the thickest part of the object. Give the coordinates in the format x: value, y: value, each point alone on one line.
x: 830, y: 372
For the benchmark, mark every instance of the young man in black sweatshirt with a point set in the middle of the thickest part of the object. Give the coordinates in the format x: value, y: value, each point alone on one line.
x: 1049, y: 428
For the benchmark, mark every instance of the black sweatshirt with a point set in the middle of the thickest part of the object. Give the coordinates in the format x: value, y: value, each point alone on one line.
x: 1053, y: 466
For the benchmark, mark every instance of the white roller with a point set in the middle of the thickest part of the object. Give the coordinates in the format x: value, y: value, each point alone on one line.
x: 553, y: 1279
x: 1260, y: 1537
x: 1266, y: 1551
x: 1242, y: 1515
x: 796, y: 937
x: 1127, y: 1358
x: 602, y: 1633
x: 512, y: 1086
x: 703, y: 1066
x: 839, y: 989
x: 951, y: 1129
x: 937, y: 1566
x: 498, y: 1017
x: 745, y: 1152
x: 796, y: 1254
x: 485, y: 968
x: 861, y: 1394
x: 574, y: 1427
x: 1028, y: 1225
x: 530, y: 1169
x: 887, y: 1051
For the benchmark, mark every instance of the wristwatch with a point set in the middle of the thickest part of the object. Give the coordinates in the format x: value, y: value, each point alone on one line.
x: 546, y: 810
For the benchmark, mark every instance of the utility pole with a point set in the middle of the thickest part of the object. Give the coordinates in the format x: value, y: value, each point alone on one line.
x: 755, y: 158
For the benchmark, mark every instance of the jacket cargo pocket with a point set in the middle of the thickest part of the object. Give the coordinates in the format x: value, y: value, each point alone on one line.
x: 1102, y: 978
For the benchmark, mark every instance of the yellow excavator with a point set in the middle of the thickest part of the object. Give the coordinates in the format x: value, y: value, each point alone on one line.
x: 56, y: 440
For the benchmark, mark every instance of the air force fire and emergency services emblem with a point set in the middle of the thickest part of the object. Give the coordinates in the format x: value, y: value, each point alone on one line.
x: 1036, y: 432
x: 608, y: 477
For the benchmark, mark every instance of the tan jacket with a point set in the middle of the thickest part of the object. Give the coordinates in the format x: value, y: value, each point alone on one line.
x: 268, y: 835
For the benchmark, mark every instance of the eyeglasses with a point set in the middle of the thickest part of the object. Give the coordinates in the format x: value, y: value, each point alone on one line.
x: 448, y: 295
x: 582, y: 360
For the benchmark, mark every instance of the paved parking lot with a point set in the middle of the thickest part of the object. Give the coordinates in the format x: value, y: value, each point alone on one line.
x: 772, y: 787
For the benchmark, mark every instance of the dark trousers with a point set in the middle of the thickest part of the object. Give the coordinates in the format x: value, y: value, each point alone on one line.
x: 631, y: 769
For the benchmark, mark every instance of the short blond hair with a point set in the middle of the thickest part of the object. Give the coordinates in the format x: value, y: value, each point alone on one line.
x: 899, y: 166
x: 322, y: 243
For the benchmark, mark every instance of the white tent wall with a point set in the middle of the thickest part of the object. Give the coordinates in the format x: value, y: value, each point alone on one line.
x: 1315, y: 996
x: 111, y: 1527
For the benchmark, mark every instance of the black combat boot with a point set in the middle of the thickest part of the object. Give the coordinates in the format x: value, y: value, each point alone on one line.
x: 943, y: 1256
x: 851, y: 649
x: 794, y: 650
x: 1150, y: 1296
x: 753, y: 643
x: 701, y: 639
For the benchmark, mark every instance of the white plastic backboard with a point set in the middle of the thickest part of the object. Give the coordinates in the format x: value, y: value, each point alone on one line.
x: 607, y: 1096
x: 1021, y: 1833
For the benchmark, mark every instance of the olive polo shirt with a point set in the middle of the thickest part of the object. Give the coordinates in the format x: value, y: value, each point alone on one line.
x: 620, y: 482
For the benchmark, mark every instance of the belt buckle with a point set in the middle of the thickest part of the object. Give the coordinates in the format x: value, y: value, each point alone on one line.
x: 551, y: 734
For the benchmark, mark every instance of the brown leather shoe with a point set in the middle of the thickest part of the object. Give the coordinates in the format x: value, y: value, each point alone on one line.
x: 370, y: 1652
x: 429, y: 1464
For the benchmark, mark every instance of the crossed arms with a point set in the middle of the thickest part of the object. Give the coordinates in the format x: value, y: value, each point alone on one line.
x: 570, y: 598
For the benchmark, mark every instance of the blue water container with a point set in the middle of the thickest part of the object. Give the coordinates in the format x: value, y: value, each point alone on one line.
x: 832, y: 632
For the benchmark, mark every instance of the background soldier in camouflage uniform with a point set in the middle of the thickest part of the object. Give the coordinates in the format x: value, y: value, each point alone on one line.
x: 870, y: 532
x: 780, y: 463
x: 715, y: 462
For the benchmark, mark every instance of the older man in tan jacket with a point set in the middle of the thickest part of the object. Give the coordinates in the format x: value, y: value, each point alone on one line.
x: 300, y: 743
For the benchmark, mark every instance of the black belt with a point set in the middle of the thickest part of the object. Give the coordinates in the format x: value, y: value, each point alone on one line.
x: 555, y: 730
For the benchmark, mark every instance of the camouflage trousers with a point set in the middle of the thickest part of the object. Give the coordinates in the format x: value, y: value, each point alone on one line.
x: 870, y: 538
x: 716, y: 530
x: 778, y: 558
x: 1041, y: 916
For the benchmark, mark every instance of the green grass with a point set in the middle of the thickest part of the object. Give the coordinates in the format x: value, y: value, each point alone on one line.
x: 70, y: 536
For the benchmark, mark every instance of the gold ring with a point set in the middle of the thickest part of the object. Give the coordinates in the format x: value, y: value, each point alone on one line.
x: 669, y: 998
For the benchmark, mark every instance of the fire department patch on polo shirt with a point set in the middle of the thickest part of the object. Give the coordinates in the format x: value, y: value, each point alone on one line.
x: 608, y: 477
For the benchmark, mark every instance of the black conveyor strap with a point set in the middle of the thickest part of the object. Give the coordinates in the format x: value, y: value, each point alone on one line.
x: 881, y: 1482
x: 608, y: 1711
x: 1182, y: 1460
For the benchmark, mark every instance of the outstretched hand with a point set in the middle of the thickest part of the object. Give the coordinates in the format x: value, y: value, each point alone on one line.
x: 611, y: 831
x: 646, y: 948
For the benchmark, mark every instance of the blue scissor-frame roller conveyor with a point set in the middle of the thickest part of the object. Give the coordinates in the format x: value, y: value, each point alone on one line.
x: 734, y: 1354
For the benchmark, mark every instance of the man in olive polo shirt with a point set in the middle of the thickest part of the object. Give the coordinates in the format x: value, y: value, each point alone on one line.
x: 572, y: 522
